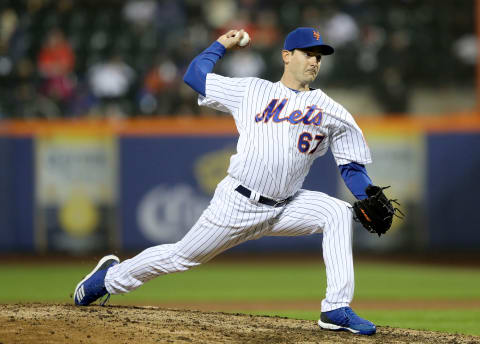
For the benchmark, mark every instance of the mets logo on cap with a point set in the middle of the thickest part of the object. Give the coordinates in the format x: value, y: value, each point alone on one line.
x: 307, y: 37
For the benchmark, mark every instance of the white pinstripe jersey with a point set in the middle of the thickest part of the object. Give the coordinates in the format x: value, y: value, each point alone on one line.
x: 282, y: 132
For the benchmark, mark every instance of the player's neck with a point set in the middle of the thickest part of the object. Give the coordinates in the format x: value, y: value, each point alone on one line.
x: 293, y: 84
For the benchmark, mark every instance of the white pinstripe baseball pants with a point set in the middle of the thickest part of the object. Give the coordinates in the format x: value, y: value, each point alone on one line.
x: 232, y: 219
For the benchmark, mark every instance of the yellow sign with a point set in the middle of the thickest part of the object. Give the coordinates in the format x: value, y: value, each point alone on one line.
x: 211, y: 168
x: 79, y: 215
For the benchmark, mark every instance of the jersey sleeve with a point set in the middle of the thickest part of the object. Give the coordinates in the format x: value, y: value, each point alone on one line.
x: 348, y: 143
x: 223, y: 93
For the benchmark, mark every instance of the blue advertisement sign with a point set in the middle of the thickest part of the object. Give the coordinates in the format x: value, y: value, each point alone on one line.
x: 165, y: 183
x: 16, y: 194
x: 452, y: 191
x: 6, y: 229
x: 23, y: 197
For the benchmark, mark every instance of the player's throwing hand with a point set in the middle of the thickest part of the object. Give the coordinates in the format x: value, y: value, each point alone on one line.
x: 231, y: 39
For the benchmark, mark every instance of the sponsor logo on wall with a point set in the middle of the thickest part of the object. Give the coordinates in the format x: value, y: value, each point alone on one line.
x: 167, y: 212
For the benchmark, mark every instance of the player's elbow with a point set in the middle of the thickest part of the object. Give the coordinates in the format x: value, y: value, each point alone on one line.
x: 187, y: 76
x: 187, y: 79
x: 194, y: 80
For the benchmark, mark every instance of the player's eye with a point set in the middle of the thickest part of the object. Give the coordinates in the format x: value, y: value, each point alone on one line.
x: 310, y: 54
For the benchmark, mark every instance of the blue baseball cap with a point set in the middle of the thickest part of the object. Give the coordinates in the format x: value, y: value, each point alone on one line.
x: 306, y: 37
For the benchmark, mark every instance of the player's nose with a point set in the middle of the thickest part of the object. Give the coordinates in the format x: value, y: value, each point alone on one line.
x: 313, y: 65
x: 313, y: 61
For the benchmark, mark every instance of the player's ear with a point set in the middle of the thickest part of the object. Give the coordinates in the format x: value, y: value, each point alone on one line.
x: 286, y: 56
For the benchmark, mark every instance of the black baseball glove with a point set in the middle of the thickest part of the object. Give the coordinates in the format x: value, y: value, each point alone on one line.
x: 376, y: 212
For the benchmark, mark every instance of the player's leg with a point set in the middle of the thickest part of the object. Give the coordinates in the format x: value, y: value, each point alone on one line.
x: 229, y: 220
x: 313, y: 212
x: 200, y: 244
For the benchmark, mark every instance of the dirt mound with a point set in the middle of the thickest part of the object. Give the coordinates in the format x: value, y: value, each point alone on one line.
x: 65, y: 323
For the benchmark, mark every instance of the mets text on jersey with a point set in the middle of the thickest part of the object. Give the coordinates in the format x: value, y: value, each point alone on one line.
x: 295, y: 117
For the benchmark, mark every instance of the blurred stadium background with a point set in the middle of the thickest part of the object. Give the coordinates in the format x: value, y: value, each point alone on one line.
x: 102, y: 147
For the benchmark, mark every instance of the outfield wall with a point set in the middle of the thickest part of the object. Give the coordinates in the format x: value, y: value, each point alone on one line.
x: 83, y: 186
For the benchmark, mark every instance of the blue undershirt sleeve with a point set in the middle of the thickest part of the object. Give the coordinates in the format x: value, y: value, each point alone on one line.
x: 356, y: 178
x: 196, y: 74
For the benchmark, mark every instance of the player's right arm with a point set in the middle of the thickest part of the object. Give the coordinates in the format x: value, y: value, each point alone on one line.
x: 196, y: 74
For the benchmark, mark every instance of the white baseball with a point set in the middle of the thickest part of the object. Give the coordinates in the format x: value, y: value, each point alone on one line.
x: 244, y: 40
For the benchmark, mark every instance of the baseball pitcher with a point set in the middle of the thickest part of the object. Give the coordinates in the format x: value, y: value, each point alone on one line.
x: 284, y: 126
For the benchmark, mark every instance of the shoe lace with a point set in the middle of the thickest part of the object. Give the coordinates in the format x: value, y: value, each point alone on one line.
x: 105, y: 299
x: 351, y: 314
x: 342, y: 319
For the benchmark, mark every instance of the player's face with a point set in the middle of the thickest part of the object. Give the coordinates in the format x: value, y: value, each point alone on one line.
x: 305, y: 64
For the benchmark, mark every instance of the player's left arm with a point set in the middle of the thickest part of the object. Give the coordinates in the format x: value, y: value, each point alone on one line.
x: 356, y: 178
x: 373, y: 209
x: 350, y: 150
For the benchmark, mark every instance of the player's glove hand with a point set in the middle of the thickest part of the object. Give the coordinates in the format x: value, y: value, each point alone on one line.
x: 376, y: 212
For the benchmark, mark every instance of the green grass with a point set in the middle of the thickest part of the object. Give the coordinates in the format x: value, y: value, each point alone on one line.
x: 274, y: 281
x: 219, y: 282
x: 451, y: 321
x: 416, y: 282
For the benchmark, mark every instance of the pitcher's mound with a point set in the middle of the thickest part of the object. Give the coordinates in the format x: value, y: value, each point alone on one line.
x: 65, y: 323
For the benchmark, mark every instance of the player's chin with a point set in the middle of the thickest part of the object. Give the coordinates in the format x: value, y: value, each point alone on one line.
x: 310, y: 76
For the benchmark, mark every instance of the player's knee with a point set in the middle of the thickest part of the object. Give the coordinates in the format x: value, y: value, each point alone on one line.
x: 175, y: 259
x: 178, y: 263
x: 342, y: 212
x: 183, y: 264
x: 181, y: 260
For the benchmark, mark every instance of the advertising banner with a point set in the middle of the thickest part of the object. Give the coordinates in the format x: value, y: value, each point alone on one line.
x: 82, y: 187
x: 75, y: 192
x: 16, y: 194
x: 453, y: 189
x: 6, y: 228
